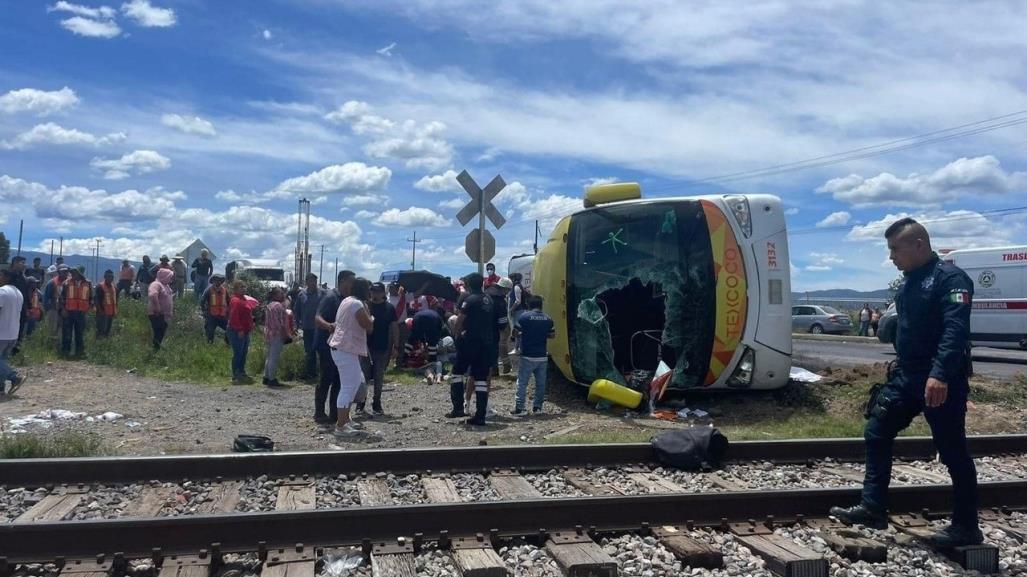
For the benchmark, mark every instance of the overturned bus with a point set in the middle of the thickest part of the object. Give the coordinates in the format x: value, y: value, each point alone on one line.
x: 700, y: 283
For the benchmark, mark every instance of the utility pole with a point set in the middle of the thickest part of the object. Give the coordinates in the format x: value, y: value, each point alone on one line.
x: 96, y: 263
x: 413, y: 250
x: 61, y: 251
x: 302, y: 263
x: 21, y: 229
x: 321, y: 274
x: 336, y: 269
x: 51, y: 250
x: 536, y: 237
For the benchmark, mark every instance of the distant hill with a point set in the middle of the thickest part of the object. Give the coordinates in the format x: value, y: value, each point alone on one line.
x: 843, y: 294
x: 75, y: 260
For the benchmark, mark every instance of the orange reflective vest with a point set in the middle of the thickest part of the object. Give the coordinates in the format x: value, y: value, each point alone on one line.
x: 218, y: 301
x: 108, y: 304
x: 77, y: 295
x: 35, y: 311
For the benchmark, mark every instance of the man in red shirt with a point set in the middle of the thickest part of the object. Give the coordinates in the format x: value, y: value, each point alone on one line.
x: 491, y: 277
x: 240, y: 324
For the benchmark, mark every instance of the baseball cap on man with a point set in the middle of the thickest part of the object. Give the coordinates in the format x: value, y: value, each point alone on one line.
x: 378, y: 286
x: 506, y: 283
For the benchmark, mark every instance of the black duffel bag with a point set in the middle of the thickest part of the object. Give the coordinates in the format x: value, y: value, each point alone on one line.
x: 253, y: 444
x: 692, y: 449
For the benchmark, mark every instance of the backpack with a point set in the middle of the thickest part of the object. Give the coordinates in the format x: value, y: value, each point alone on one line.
x: 253, y: 444
x: 692, y: 449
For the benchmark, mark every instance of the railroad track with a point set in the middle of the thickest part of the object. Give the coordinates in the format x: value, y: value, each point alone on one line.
x: 568, y: 504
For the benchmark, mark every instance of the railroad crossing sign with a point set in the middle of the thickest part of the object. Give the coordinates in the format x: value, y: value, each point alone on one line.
x: 473, y: 245
x: 481, y: 200
x: 479, y: 245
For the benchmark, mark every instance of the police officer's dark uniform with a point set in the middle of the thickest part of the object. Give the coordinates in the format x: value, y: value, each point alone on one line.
x: 472, y: 355
x: 932, y: 341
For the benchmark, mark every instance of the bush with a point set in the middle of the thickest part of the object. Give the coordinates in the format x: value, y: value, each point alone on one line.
x: 51, y: 445
x: 185, y: 354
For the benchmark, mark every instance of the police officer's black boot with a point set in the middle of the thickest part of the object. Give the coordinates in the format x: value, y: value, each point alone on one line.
x: 320, y: 398
x: 481, y: 402
x: 956, y: 536
x: 456, y: 396
x: 860, y: 515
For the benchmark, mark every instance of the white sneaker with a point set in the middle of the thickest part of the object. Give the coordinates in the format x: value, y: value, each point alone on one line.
x: 490, y: 412
x: 347, y: 431
x: 467, y: 407
x: 356, y: 425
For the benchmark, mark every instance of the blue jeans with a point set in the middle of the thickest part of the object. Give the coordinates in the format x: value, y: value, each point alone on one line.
x: 902, y: 399
x: 73, y: 325
x: 240, y: 346
x: 524, y: 372
x: 7, y: 372
x: 864, y: 328
x: 200, y: 285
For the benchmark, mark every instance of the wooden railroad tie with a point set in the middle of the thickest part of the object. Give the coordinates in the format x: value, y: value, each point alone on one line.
x: 55, y: 506
x: 982, y: 558
x: 656, y: 484
x: 296, y: 496
x: 512, y: 486
x: 783, y: 556
x: 441, y: 490
x: 1001, y: 520
x: 691, y: 552
x: 578, y: 479
x: 96, y: 567
x: 151, y: 501
x: 474, y: 556
x: 184, y: 566
x: 848, y: 542
x: 579, y: 556
x: 374, y: 492
x: 393, y: 559
x: 224, y: 497
x: 298, y: 561
x: 911, y: 471
x: 719, y: 480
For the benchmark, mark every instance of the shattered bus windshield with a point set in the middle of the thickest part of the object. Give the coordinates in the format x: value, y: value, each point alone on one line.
x: 642, y: 282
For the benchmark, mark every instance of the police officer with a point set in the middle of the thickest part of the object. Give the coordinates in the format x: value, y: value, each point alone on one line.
x: 473, y: 335
x: 932, y: 343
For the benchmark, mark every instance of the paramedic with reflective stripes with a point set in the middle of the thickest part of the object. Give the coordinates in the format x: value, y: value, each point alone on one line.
x: 931, y: 376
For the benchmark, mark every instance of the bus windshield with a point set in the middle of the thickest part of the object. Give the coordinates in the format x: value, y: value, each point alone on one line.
x: 267, y: 274
x: 642, y: 283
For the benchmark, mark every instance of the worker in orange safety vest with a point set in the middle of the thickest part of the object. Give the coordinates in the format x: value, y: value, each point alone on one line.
x: 214, y: 304
x: 76, y: 299
x: 106, y: 304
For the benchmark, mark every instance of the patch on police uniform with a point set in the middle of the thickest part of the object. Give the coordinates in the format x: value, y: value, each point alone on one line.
x: 960, y: 296
x: 928, y: 283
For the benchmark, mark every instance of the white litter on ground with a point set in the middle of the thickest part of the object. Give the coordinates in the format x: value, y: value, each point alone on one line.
x: 803, y: 376
x: 45, y: 419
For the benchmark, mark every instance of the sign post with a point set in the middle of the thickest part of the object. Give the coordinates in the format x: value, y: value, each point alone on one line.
x: 480, y: 245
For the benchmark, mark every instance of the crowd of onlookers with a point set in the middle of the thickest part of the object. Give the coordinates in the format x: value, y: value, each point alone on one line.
x: 350, y: 333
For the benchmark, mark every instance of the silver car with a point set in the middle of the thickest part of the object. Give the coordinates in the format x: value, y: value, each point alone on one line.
x: 887, y: 325
x: 818, y: 319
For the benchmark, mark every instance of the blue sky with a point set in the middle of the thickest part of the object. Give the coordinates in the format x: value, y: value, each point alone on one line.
x: 150, y: 123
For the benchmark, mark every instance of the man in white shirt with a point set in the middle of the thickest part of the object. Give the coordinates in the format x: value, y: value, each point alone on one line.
x: 11, y: 301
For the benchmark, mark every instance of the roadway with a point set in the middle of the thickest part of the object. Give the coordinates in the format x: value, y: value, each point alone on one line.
x: 815, y: 354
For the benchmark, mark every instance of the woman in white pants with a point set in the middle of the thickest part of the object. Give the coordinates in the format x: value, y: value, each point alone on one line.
x: 348, y: 343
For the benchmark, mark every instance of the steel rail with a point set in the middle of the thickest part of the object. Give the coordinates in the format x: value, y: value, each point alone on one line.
x: 38, y: 472
x: 34, y: 542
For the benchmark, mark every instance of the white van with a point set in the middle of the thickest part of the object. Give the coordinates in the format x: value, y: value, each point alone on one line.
x: 269, y: 272
x: 999, y: 317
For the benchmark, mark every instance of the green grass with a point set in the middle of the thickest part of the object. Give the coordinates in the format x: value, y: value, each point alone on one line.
x: 51, y: 445
x: 185, y: 354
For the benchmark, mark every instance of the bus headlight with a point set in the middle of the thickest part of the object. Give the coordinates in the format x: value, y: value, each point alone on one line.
x: 739, y: 206
x: 742, y: 377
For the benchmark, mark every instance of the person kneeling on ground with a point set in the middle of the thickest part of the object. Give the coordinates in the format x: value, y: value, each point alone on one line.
x: 426, y: 331
x: 535, y: 327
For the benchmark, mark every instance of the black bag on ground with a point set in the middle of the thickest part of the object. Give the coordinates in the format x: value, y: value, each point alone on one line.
x: 253, y: 444
x: 691, y: 449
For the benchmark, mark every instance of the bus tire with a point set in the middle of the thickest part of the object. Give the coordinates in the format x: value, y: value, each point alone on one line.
x: 816, y: 329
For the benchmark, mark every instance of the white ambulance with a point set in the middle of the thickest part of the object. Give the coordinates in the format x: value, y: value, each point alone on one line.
x: 999, y: 317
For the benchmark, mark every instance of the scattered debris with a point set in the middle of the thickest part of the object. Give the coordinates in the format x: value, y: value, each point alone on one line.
x: 803, y: 376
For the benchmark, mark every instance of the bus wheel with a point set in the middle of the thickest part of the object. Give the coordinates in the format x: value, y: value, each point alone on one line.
x: 816, y: 329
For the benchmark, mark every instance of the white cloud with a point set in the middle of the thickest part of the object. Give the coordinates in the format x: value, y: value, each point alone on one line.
x: 387, y: 50
x: 267, y: 34
x: 597, y: 180
x: 14, y: 190
x: 954, y: 181
x: 91, y: 28
x: 189, y: 124
x: 135, y: 162
x: 418, y: 145
x: 148, y: 15
x: 411, y: 217
x: 839, y: 218
x: 549, y: 210
x: 38, y: 102
x: 365, y: 214
x: 50, y: 133
x: 791, y: 211
x: 445, y: 182
x: 79, y: 204
x: 454, y: 203
x: 352, y: 177
x: 823, y: 261
x: 365, y: 200
x: 103, y: 12
x: 228, y: 196
x: 817, y: 268
x: 948, y: 229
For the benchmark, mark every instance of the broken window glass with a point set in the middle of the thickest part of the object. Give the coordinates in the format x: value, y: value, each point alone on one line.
x: 643, y: 288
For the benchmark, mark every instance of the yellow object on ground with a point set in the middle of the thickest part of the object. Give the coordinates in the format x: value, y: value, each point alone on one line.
x: 611, y: 391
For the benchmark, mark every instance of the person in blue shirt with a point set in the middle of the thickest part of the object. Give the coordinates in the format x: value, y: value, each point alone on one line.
x: 536, y: 328
x: 304, y: 309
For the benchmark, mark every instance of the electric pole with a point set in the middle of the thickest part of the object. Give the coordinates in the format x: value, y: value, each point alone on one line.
x: 321, y: 273
x: 21, y: 229
x: 536, y: 237
x: 96, y: 263
x: 413, y: 250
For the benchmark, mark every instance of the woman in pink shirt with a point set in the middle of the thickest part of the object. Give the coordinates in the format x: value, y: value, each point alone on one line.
x: 159, y: 305
x: 348, y: 343
x: 276, y: 332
